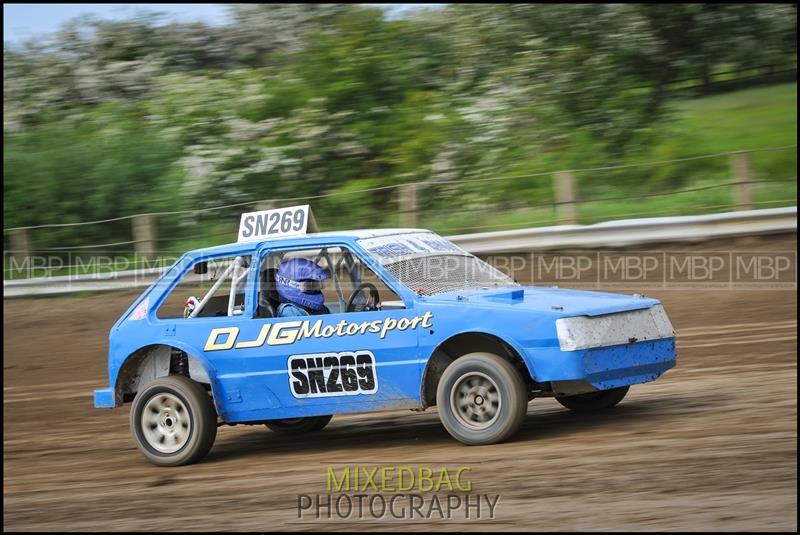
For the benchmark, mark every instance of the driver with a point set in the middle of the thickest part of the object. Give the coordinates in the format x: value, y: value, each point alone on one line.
x: 299, y: 283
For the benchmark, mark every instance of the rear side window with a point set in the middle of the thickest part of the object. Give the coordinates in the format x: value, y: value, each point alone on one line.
x: 207, y: 292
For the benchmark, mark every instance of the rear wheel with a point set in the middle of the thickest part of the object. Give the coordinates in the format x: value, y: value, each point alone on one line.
x: 173, y: 421
x: 481, y: 399
x: 594, y: 401
x: 299, y: 425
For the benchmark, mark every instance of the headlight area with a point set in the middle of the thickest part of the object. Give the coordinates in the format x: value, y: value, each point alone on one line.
x: 620, y: 328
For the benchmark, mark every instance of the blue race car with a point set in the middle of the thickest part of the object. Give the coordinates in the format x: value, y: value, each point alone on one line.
x: 287, y: 329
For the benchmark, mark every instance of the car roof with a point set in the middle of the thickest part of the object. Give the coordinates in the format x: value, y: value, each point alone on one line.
x: 237, y: 247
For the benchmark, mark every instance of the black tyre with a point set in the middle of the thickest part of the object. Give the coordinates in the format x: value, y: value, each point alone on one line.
x: 594, y: 401
x: 299, y: 425
x: 173, y: 421
x: 481, y: 399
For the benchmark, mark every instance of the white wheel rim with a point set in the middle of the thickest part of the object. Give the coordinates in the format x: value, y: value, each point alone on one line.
x: 475, y: 400
x: 166, y: 424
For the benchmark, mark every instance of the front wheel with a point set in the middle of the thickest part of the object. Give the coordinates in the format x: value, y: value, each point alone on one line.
x: 594, y: 401
x: 299, y: 425
x: 481, y: 399
x: 173, y: 421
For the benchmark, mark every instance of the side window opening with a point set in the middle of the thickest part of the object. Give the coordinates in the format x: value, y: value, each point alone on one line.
x: 341, y: 274
x: 220, y: 291
x: 355, y: 276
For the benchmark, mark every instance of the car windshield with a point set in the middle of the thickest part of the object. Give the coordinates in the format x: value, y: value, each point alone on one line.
x: 428, y: 264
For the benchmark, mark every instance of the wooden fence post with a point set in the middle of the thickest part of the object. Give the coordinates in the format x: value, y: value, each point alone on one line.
x: 741, y: 178
x: 408, y: 205
x: 565, y: 195
x: 144, y: 235
x: 20, y: 246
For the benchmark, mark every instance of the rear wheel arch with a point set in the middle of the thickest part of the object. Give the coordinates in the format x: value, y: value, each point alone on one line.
x: 462, y: 344
x: 154, y: 361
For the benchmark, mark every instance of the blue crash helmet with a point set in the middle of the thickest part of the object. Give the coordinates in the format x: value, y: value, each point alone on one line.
x: 300, y: 281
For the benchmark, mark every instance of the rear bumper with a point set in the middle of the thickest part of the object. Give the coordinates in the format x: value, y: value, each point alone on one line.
x: 104, y: 399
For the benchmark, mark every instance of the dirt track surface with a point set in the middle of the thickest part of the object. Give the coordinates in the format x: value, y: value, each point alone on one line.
x: 712, y: 445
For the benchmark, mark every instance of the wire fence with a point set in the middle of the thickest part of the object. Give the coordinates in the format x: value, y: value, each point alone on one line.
x: 678, y: 186
x: 398, y: 186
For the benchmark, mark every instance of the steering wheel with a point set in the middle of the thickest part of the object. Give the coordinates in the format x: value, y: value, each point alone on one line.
x: 373, y: 302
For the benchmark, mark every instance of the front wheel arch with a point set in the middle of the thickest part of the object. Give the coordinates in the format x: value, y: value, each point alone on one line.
x: 462, y: 344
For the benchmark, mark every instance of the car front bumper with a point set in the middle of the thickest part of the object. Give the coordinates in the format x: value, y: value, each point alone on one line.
x: 605, y: 367
x: 612, y: 367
